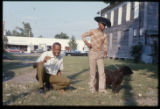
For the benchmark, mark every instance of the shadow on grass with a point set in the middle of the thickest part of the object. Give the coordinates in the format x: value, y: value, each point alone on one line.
x: 13, y: 98
x: 9, y: 66
x: 9, y: 75
x: 12, y: 65
x: 76, y: 81
x: 73, y: 76
x: 128, y: 96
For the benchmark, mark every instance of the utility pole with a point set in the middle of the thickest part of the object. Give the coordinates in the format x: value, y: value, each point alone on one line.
x: 4, y: 38
x: 3, y: 29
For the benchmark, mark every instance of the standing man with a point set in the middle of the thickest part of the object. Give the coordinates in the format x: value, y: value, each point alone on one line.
x: 49, y: 66
x: 97, y: 52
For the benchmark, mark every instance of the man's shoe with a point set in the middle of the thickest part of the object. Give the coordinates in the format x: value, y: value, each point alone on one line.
x: 41, y: 90
x: 48, y: 87
x: 92, y: 90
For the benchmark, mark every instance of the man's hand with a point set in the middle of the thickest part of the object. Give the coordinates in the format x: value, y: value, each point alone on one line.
x: 36, y: 64
x: 59, y: 73
x: 46, y: 58
x: 88, y: 44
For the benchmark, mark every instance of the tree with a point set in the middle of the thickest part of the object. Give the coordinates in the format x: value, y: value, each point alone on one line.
x: 15, y: 33
x: 8, y: 33
x: 26, y: 31
x: 22, y: 31
x: 61, y: 36
x: 72, y: 43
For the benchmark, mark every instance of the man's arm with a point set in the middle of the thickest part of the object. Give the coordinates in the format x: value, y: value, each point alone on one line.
x: 41, y: 62
x: 85, y: 41
x: 59, y: 73
x: 105, y: 46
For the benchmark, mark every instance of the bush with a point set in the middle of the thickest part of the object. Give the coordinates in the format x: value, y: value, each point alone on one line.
x: 136, y: 52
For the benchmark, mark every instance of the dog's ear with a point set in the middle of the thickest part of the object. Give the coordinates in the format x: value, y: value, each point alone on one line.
x: 128, y: 70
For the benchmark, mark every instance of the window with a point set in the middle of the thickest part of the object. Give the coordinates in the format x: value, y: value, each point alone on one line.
x: 112, y: 18
x: 119, y: 15
x: 130, y: 40
x: 135, y: 32
x: 136, y: 9
x: 128, y: 11
x: 105, y: 15
x: 141, y: 31
x: 118, y: 38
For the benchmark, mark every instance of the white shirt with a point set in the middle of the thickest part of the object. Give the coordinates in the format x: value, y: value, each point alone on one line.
x: 53, y: 65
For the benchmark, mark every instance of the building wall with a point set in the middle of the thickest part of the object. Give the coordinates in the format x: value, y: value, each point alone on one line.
x: 151, y: 18
x: 119, y: 47
x: 152, y: 15
x: 130, y: 32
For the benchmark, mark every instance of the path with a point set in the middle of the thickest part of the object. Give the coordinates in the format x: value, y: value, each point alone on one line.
x: 24, y: 78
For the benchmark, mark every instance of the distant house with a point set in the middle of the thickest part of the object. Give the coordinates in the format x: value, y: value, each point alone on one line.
x: 29, y: 44
x: 131, y: 23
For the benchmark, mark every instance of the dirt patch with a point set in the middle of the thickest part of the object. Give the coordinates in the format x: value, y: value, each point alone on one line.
x: 25, y: 78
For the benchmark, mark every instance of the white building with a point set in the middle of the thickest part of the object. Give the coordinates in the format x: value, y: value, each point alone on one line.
x: 31, y: 43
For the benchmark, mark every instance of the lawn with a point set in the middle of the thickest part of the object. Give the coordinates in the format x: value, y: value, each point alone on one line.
x: 140, y: 89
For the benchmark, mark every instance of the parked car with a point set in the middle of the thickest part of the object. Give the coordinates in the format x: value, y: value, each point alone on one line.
x: 63, y: 53
x: 37, y: 51
x: 14, y: 50
x: 76, y: 53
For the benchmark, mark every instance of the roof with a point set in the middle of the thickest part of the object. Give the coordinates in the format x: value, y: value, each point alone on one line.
x: 109, y: 7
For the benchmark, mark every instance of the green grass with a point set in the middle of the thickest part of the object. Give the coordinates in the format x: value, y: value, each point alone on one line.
x: 140, y: 89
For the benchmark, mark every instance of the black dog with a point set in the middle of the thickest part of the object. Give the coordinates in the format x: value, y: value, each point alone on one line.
x: 115, y: 78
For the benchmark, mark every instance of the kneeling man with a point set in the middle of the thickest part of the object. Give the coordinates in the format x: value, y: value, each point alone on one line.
x: 49, y: 66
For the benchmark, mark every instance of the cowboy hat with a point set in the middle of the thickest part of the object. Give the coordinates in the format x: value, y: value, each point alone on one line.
x: 104, y: 21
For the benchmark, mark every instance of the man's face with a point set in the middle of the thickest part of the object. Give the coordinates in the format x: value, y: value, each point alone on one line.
x: 101, y: 26
x: 56, y: 49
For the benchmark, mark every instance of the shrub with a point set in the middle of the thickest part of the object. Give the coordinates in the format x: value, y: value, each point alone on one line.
x: 136, y: 52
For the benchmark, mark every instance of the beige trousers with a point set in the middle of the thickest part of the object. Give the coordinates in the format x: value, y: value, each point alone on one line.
x: 58, y: 82
x: 96, y: 58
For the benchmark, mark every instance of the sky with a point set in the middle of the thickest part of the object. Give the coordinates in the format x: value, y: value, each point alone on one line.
x: 51, y: 18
